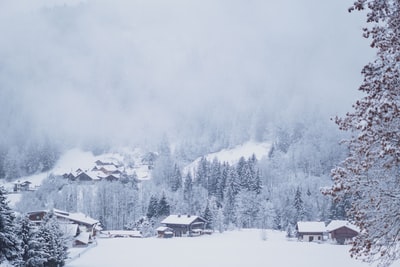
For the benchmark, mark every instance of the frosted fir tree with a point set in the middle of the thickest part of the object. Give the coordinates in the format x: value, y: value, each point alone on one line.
x: 221, y: 183
x: 32, y: 247
x: 9, y: 242
x: 152, y: 209
x: 188, y: 192
x: 55, y: 248
x: 214, y: 178
x: 370, y: 173
x: 202, y: 173
x: 298, y: 204
x: 208, y: 216
x: 163, y: 209
x: 176, y: 179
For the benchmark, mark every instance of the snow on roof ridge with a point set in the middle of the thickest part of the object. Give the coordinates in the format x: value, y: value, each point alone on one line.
x: 311, y: 226
x: 336, y: 224
x: 180, y: 219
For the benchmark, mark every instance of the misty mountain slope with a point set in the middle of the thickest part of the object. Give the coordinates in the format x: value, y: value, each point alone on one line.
x: 131, y: 67
x: 232, y: 155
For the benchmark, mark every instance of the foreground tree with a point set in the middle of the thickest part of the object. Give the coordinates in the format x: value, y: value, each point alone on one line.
x: 370, y: 173
x: 54, y: 249
x: 32, y: 253
x: 9, y: 242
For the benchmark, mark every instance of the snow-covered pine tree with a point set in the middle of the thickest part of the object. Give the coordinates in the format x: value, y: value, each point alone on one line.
x: 221, y: 183
x: 214, y: 178
x: 370, y: 173
x: 152, y: 209
x: 32, y: 247
x: 54, y: 242
x: 207, y: 215
x: 176, y: 179
x: 9, y: 242
x: 203, y: 173
x: 188, y: 192
x: 298, y: 204
x: 229, y: 207
x: 163, y: 209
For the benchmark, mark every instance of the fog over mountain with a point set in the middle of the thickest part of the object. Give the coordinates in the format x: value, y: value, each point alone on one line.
x: 123, y: 72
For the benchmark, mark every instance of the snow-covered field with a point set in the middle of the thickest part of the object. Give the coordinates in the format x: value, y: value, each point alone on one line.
x: 236, y: 248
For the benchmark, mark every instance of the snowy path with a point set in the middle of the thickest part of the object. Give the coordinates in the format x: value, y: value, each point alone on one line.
x: 239, y: 248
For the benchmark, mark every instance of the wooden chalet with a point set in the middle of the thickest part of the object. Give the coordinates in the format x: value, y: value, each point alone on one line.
x: 73, y: 224
x: 185, y: 225
x: 311, y: 231
x: 342, y: 231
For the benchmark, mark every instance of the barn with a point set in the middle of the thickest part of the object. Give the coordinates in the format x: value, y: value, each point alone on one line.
x: 342, y: 231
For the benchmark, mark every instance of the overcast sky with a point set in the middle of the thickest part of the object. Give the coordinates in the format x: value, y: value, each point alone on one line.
x: 134, y: 68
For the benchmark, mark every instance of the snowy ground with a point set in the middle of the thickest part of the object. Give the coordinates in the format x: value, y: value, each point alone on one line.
x: 237, y: 248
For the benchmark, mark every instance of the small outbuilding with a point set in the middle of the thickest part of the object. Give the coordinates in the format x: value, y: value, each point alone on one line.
x: 164, y: 232
x: 311, y: 231
x: 185, y: 225
x: 342, y: 231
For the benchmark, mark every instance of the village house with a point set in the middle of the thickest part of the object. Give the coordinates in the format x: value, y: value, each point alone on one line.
x: 185, y: 225
x: 342, y: 231
x: 78, y: 226
x: 311, y: 231
x: 22, y: 186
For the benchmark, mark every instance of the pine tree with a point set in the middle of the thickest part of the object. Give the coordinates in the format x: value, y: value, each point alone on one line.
x: 203, y: 173
x: 152, y: 209
x: 163, y: 209
x: 207, y: 215
x: 176, y: 179
x: 221, y: 183
x: 298, y: 205
x: 9, y: 242
x: 188, y: 192
x: 370, y: 173
x: 55, y: 248
x: 32, y: 254
x: 214, y: 178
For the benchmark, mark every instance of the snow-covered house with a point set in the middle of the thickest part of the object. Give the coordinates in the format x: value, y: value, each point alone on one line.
x: 311, y: 231
x: 74, y: 225
x: 342, y: 231
x: 185, y: 225
x: 22, y: 186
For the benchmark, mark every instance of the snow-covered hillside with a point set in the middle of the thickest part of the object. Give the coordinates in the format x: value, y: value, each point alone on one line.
x: 233, y: 155
x: 131, y: 160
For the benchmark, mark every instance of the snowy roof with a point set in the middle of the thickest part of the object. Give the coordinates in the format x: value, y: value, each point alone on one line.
x: 336, y: 224
x: 76, y: 217
x: 181, y: 219
x: 83, y: 237
x: 311, y: 227
x: 163, y: 228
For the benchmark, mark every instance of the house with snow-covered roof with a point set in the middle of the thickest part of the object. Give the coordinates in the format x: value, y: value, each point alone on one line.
x: 311, y: 231
x: 73, y: 224
x: 342, y: 231
x: 185, y: 225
